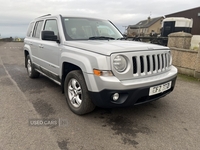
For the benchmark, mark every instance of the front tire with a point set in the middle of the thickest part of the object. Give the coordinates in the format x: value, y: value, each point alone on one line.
x: 32, y: 73
x: 76, y: 93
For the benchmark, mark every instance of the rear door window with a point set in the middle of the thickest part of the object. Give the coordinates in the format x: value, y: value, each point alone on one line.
x: 37, y: 29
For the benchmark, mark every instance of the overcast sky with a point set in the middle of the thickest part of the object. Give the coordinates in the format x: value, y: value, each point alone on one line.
x: 15, y: 15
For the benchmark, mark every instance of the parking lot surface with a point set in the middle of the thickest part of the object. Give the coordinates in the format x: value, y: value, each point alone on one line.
x: 171, y: 123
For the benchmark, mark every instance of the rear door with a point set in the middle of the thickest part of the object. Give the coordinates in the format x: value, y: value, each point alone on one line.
x: 35, y: 42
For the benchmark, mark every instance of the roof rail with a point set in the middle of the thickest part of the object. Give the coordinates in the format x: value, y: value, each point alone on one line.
x: 45, y: 15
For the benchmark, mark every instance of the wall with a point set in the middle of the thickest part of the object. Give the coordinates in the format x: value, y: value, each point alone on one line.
x: 187, y: 61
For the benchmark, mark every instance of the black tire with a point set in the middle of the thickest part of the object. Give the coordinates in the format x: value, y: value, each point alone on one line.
x: 79, y: 92
x: 32, y: 73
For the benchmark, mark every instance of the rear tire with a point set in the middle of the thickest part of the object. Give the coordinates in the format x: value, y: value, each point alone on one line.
x: 76, y: 93
x: 32, y: 73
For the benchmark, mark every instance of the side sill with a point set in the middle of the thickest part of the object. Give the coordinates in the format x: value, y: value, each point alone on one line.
x: 59, y: 83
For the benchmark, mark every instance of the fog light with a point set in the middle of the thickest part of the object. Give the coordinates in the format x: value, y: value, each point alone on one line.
x: 115, y: 96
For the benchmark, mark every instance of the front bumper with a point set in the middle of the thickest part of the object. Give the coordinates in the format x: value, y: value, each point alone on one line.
x: 128, y: 97
x: 97, y: 84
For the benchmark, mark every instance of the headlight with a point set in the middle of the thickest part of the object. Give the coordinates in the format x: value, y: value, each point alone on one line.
x: 120, y: 63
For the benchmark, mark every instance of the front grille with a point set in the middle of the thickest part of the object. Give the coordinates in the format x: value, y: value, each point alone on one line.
x: 150, y: 64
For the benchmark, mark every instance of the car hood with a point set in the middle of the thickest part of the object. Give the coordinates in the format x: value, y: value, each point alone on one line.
x: 108, y: 47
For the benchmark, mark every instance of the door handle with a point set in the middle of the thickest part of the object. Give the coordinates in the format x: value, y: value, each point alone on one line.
x: 41, y: 46
x: 30, y: 43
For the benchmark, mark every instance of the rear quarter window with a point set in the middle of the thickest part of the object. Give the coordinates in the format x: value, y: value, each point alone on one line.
x: 30, y: 29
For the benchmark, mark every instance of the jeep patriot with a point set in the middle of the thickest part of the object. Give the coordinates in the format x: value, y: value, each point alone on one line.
x: 94, y: 64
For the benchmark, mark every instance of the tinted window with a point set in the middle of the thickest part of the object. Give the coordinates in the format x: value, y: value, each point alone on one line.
x: 30, y: 29
x: 51, y: 25
x: 37, y: 29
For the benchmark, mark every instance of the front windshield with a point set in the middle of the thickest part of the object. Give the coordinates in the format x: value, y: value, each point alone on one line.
x: 89, y: 29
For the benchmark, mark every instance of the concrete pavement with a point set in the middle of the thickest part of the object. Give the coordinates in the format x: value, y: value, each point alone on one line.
x: 15, y: 112
x: 169, y: 123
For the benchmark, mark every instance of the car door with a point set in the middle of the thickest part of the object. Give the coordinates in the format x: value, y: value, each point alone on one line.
x: 35, y: 42
x: 49, y: 51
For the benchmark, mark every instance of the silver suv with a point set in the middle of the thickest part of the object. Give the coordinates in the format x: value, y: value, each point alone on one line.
x: 95, y: 65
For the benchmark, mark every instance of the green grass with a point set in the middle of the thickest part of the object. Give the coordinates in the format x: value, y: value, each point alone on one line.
x: 188, y: 78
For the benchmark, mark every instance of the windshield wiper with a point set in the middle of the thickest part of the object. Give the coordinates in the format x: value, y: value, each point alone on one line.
x: 101, y: 38
x: 122, y: 38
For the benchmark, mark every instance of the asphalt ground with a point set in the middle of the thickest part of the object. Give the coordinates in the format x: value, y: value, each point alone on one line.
x: 171, y: 123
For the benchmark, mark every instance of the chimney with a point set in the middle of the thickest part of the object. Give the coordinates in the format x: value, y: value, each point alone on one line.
x: 148, y: 19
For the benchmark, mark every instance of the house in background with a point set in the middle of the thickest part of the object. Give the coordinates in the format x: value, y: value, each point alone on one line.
x: 145, y: 27
x: 190, y: 13
x: 17, y: 39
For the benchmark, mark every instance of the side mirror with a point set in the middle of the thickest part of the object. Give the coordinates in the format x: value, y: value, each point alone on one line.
x: 49, y: 36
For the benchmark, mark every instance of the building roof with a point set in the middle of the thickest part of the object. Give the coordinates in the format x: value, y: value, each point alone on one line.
x: 184, y: 11
x: 145, y: 23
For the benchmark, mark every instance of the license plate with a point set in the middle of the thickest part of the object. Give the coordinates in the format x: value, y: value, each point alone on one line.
x: 160, y: 88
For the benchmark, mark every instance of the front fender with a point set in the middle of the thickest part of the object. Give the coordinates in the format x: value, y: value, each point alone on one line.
x: 82, y: 62
x: 79, y: 60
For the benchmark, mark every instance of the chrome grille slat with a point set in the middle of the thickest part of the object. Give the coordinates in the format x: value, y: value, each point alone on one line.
x: 156, y: 63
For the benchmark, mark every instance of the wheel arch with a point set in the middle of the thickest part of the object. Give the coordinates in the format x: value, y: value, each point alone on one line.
x: 66, y: 68
x: 26, y: 53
